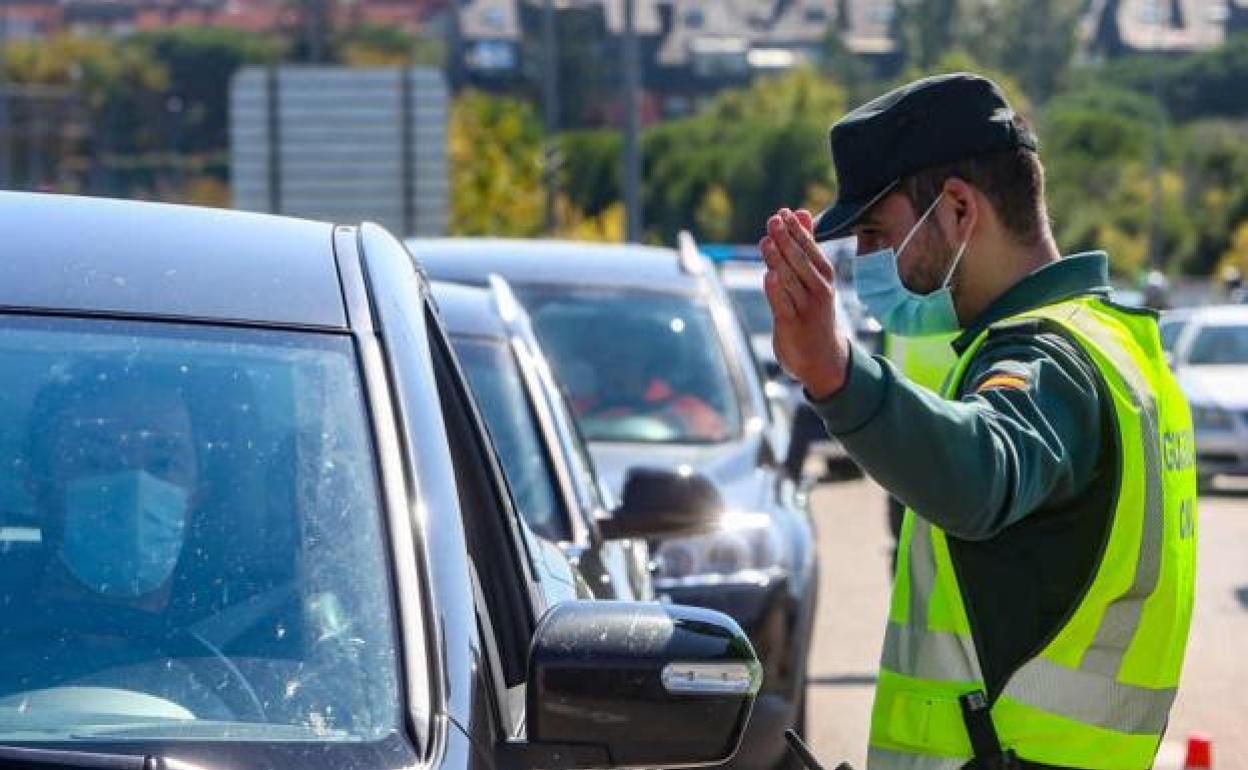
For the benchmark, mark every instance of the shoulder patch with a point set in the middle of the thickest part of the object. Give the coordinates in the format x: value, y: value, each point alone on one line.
x: 1004, y: 380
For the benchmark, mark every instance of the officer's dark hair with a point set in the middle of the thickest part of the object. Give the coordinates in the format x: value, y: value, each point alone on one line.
x: 1012, y: 181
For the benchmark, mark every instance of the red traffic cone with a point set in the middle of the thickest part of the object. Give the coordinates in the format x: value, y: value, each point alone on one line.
x: 1199, y: 752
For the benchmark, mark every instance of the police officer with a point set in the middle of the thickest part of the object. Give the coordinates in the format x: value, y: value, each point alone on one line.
x: 1045, y: 579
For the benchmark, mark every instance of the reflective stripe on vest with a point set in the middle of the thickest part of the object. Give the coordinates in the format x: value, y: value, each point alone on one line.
x: 1098, y: 695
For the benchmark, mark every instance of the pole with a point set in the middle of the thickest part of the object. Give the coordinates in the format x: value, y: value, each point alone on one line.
x: 1156, y: 257
x: 550, y: 101
x: 6, y: 124
x: 632, y: 128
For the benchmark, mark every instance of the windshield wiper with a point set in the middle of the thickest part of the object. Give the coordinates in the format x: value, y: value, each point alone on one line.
x: 21, y: 758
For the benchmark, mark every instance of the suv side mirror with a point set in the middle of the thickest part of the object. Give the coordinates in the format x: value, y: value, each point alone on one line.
x: 661, y: 503
x: 636, y: 685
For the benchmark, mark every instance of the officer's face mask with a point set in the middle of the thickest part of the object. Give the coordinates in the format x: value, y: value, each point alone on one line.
x: 899, y: 310
x: 123, y: 532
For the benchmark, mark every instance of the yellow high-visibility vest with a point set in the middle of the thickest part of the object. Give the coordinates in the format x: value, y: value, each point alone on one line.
x: 924, y: 360
x: 1098, y: 696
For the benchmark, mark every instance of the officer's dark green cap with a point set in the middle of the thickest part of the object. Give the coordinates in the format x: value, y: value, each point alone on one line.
x: 928, y: 123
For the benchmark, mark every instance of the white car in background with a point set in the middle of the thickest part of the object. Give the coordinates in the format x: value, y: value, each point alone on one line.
x: 1208, y: 348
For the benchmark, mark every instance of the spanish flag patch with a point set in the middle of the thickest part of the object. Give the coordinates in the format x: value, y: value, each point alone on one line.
x: 1011, y: 381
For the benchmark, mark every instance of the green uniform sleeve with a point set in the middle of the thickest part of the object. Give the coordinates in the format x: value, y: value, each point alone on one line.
x: 1025, y: 433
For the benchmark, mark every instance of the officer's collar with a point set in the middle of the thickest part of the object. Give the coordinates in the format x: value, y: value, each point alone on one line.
x: 1069, y: 277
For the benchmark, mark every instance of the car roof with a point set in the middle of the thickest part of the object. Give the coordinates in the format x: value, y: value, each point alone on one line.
x: 1214, y: 315
x: 68, y: 253
x: 570, y: 263
x: 743, y: 275
x: 468, y: 310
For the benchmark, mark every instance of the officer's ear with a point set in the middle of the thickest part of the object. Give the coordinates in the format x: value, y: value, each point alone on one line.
x: 963, y: 210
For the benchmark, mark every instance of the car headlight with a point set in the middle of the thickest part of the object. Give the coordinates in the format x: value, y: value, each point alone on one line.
x: 1211, y: 418
x: 747, y: 548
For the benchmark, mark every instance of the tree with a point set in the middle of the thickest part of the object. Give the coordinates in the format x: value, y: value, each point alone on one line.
x: 1033, y: 42
x: 374, y: 45
x: 201, y: 63
x: 495, y: 155
x: 1236, y: 254
x: 927, y: 30
x: 1202, y: 85
x: 765, y: 145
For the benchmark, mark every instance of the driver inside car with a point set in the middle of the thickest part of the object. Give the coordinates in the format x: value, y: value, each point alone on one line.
x: 113, y: 471
x: 642, y: 385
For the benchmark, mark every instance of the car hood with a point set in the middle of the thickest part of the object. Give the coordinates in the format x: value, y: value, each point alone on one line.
x: 1221, y: 386
x: 733, y: 467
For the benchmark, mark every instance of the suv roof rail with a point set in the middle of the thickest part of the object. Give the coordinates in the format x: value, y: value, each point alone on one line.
x: 690, y: 258
x: 505, y: 300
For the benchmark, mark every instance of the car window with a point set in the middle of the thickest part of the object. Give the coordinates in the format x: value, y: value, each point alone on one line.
x: 1170, y: 333
x: 752, y: 305
x: 1219, y: 346
x: 638, y: 366
x: 500, y: 392
x: 190, y: 537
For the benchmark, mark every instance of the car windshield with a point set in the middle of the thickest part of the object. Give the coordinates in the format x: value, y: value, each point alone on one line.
x: 495, y: 379
x: 190, y: 537
x: 754, y: 310
x: 1219, y: 346
x: 639, y: 366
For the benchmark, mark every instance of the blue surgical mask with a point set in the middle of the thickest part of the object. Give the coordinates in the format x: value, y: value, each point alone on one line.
x: 123, y: 532
x: 898, y: 309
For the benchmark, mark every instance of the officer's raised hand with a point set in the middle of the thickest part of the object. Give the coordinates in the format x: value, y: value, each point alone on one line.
x: 801, y: 289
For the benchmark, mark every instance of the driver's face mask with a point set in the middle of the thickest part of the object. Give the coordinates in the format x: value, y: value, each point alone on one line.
x: 123, y: 532
x: 898, y: 309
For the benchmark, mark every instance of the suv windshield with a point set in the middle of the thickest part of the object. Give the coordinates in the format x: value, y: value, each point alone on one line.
x: 190, y: 537
x: 495, y: 379
x: 638, y: 365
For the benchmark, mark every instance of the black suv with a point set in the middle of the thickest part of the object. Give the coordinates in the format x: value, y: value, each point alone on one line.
x: 249, y: 518
x: 660, y: 372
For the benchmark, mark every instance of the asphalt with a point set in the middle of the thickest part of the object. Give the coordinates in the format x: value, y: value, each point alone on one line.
x: 854, y: 549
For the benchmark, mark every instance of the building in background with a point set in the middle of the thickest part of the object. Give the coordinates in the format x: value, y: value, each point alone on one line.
x: 1122, y: 27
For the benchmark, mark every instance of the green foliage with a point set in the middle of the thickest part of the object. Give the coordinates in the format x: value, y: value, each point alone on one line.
x: 724, y: 170
x: 1031, y: 42
x: 765, y: 146
x: 495, y: 154
x: 374, y: 45
x: 591, y: 169
x: 200, y: 62
x: 1202, y: 85
x: 927, y: 30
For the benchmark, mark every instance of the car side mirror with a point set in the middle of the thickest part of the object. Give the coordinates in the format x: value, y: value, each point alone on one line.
x: 602, y: 674
x: 661, y: 503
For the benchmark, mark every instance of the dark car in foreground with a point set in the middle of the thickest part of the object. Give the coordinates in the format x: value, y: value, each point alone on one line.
x: 659, y: 372
x: 249, y: 518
